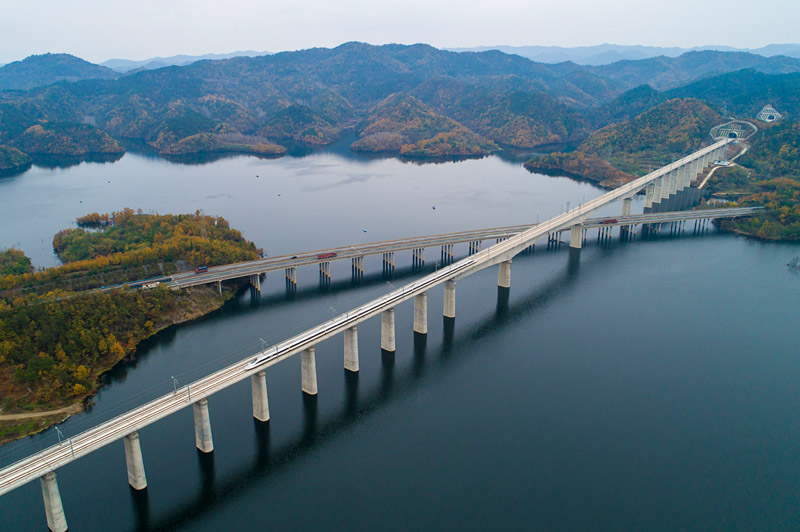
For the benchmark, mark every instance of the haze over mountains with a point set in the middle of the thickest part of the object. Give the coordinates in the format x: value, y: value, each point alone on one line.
x: 126, y: 65
x: 604, y: 54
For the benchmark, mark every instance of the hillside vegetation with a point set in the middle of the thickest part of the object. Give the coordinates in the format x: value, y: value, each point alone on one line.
x: 669, y: 72
x: 66, y: 138
x: 769, y: 175
x: 107, y: 249
x: 402, y: 123
x: 55, y: 343
x: 39, y: 70
x: 14, y: 262
x: 12, y: 159
x: 314, y: 96
x: 617, y: 153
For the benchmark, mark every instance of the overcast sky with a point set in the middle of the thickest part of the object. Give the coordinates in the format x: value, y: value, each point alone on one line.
x: 98, y: 30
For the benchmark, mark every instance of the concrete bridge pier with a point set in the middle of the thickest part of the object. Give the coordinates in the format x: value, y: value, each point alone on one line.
x: 627, y: 203
x: 388, y: 262
x: 576, y: 236
x: 658, y: 185
x: 421, y: 313
x: 325, y: 272
x: 447, y: 253
x: 702, y: 162
x: 291, y: 276
x: 649, y: 194
x: 673, y: 182
x: 53, y: 509
x: 309, y: 371
x: 686, y: 176
x: 419, y: 257
x: 351, y: 349
x: 696, y: 169
x: 387, y: 330
x: 504, y: 274
x: 666, y: 185
x: 133, y: 459
x: 258, y: 383
x: 357, y: 266
x: 255, y: 281
x: 450, y: 298
x: 202, y: 427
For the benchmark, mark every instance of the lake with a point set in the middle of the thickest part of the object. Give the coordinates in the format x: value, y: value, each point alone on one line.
x: 647, y: 385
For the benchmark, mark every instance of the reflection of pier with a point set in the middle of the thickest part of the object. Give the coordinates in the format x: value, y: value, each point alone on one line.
x: 659, y: 185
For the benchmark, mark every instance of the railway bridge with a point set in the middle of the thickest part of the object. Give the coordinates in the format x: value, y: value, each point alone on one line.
x: 657, y: 185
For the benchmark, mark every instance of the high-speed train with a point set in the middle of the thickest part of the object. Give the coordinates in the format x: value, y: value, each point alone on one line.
x: 278, y: 349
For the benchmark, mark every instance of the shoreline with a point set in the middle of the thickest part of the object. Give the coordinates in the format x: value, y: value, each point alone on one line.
x: 33, y: 422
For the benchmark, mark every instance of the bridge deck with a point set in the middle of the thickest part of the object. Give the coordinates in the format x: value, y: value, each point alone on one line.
x: 277, y: 263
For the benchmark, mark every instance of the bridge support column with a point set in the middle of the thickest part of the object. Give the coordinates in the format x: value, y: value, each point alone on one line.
x: 686, y: 176
x: 650, y: 192
x: 202, y: 427
x: 576, y: 236
x: 53, y: 509
x: 697, y: 167
x: 658, y: 189
x: 673, y: 182
x: 421, y: 313
x: 309, y: 371
x: 626, y: 206
x: 450, y: 298
x: 258, y: 383
x: 351, y: 349
x: 133, y: 459
x: 667, y: 185
x: 387, y: 330
x: 504, y: 274
x: 255, y: 280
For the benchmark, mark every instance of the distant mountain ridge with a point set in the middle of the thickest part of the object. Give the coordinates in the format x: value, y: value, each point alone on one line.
x: 603, y: 54
x: 39, y: 70
x: 669, y: 72
x: 127, y: 65
x: 463, y: 102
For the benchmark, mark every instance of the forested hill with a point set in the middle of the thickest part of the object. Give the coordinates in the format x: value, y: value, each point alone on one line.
x: 311, y: 96
x: 40, y: 70
x: 257, y: 104
x: 669, y: 72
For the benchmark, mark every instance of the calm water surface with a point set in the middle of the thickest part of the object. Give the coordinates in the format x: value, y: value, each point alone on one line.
x: 641, y: 386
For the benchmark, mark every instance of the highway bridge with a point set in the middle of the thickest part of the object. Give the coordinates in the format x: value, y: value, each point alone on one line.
x: 445, y: 241
x: 658, y: 185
